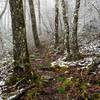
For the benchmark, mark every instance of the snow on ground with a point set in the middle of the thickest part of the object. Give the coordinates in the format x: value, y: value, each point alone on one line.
x: 5, y: 70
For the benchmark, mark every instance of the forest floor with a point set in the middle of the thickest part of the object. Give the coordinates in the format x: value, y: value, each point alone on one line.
x: 65, y: 83
x: 62, y: 83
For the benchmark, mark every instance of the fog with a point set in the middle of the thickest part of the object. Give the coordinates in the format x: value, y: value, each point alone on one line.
x: 88, y: 16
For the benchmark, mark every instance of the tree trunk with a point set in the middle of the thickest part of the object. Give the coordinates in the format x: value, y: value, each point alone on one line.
x: 65, y: 18
x: 34, y: 26
x: 56, y: 23
x: 1, y: 46
x: 22, y: 64
x: 39, y: 14
x: 75, y: 47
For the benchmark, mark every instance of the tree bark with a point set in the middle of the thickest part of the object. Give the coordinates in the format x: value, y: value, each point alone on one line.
x: 56, y: 23
x: 65, y: 18
x: 34, y: 26
x: 22, y: 64
x: 75, y: 47
x: 39, y: 14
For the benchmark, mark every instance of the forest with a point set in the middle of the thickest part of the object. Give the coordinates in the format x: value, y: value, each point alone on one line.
x: 50, y: 50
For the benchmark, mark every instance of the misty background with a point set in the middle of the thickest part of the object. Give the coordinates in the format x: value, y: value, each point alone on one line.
x: 89, y: 20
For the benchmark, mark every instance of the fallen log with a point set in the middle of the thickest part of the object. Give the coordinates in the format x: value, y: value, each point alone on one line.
x: 23, y: 92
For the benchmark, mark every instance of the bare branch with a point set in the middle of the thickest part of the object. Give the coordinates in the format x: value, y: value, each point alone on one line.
x: 4, y: 9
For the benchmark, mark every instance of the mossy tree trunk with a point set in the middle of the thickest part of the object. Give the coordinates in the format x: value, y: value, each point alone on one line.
x: 56, y: 23
x: 65, y: 18
x: 34, y: 25
x: 22, y: 64
x: 75, y: 47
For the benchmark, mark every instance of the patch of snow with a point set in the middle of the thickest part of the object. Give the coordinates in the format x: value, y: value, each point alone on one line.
x: 59, y: 63
x: 1, y: 98
x: 98, y: 66
x: 6, y: 65
x: 2, y: 83
x: 47, y: 77
x: 11, y: 97
x: 82, y: 63
x: 66, y: 72
x: 99, y: 72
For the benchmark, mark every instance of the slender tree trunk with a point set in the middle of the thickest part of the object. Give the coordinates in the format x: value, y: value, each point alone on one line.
x: 65, y: 18
x: 75, y: 47
x: 22, y: 64
x: 34, y: 26
x: 56, y: 23
x: 39, y: 14
x: 1, y: 46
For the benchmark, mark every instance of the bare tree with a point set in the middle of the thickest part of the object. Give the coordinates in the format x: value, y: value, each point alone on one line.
x: 1, y: 46
x: 4, y: 9
x: 39, y: 14
x: 22, y: 66
x: 65, y: 18
x: 75, y: 47
x: 56, y: 23
x: 97, y: 9
x: 34, y: 26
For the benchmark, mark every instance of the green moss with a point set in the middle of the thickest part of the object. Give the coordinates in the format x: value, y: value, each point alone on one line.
x: 60, y: 79
x: 12, y: 80
x: 98, y: 82
x: 61, y: 90
x: 31, y: 94
x: 67, y: 82
x: 40, y: 65
x: 96, y: 96
x: 19, y: 80
x: 84, y: 86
